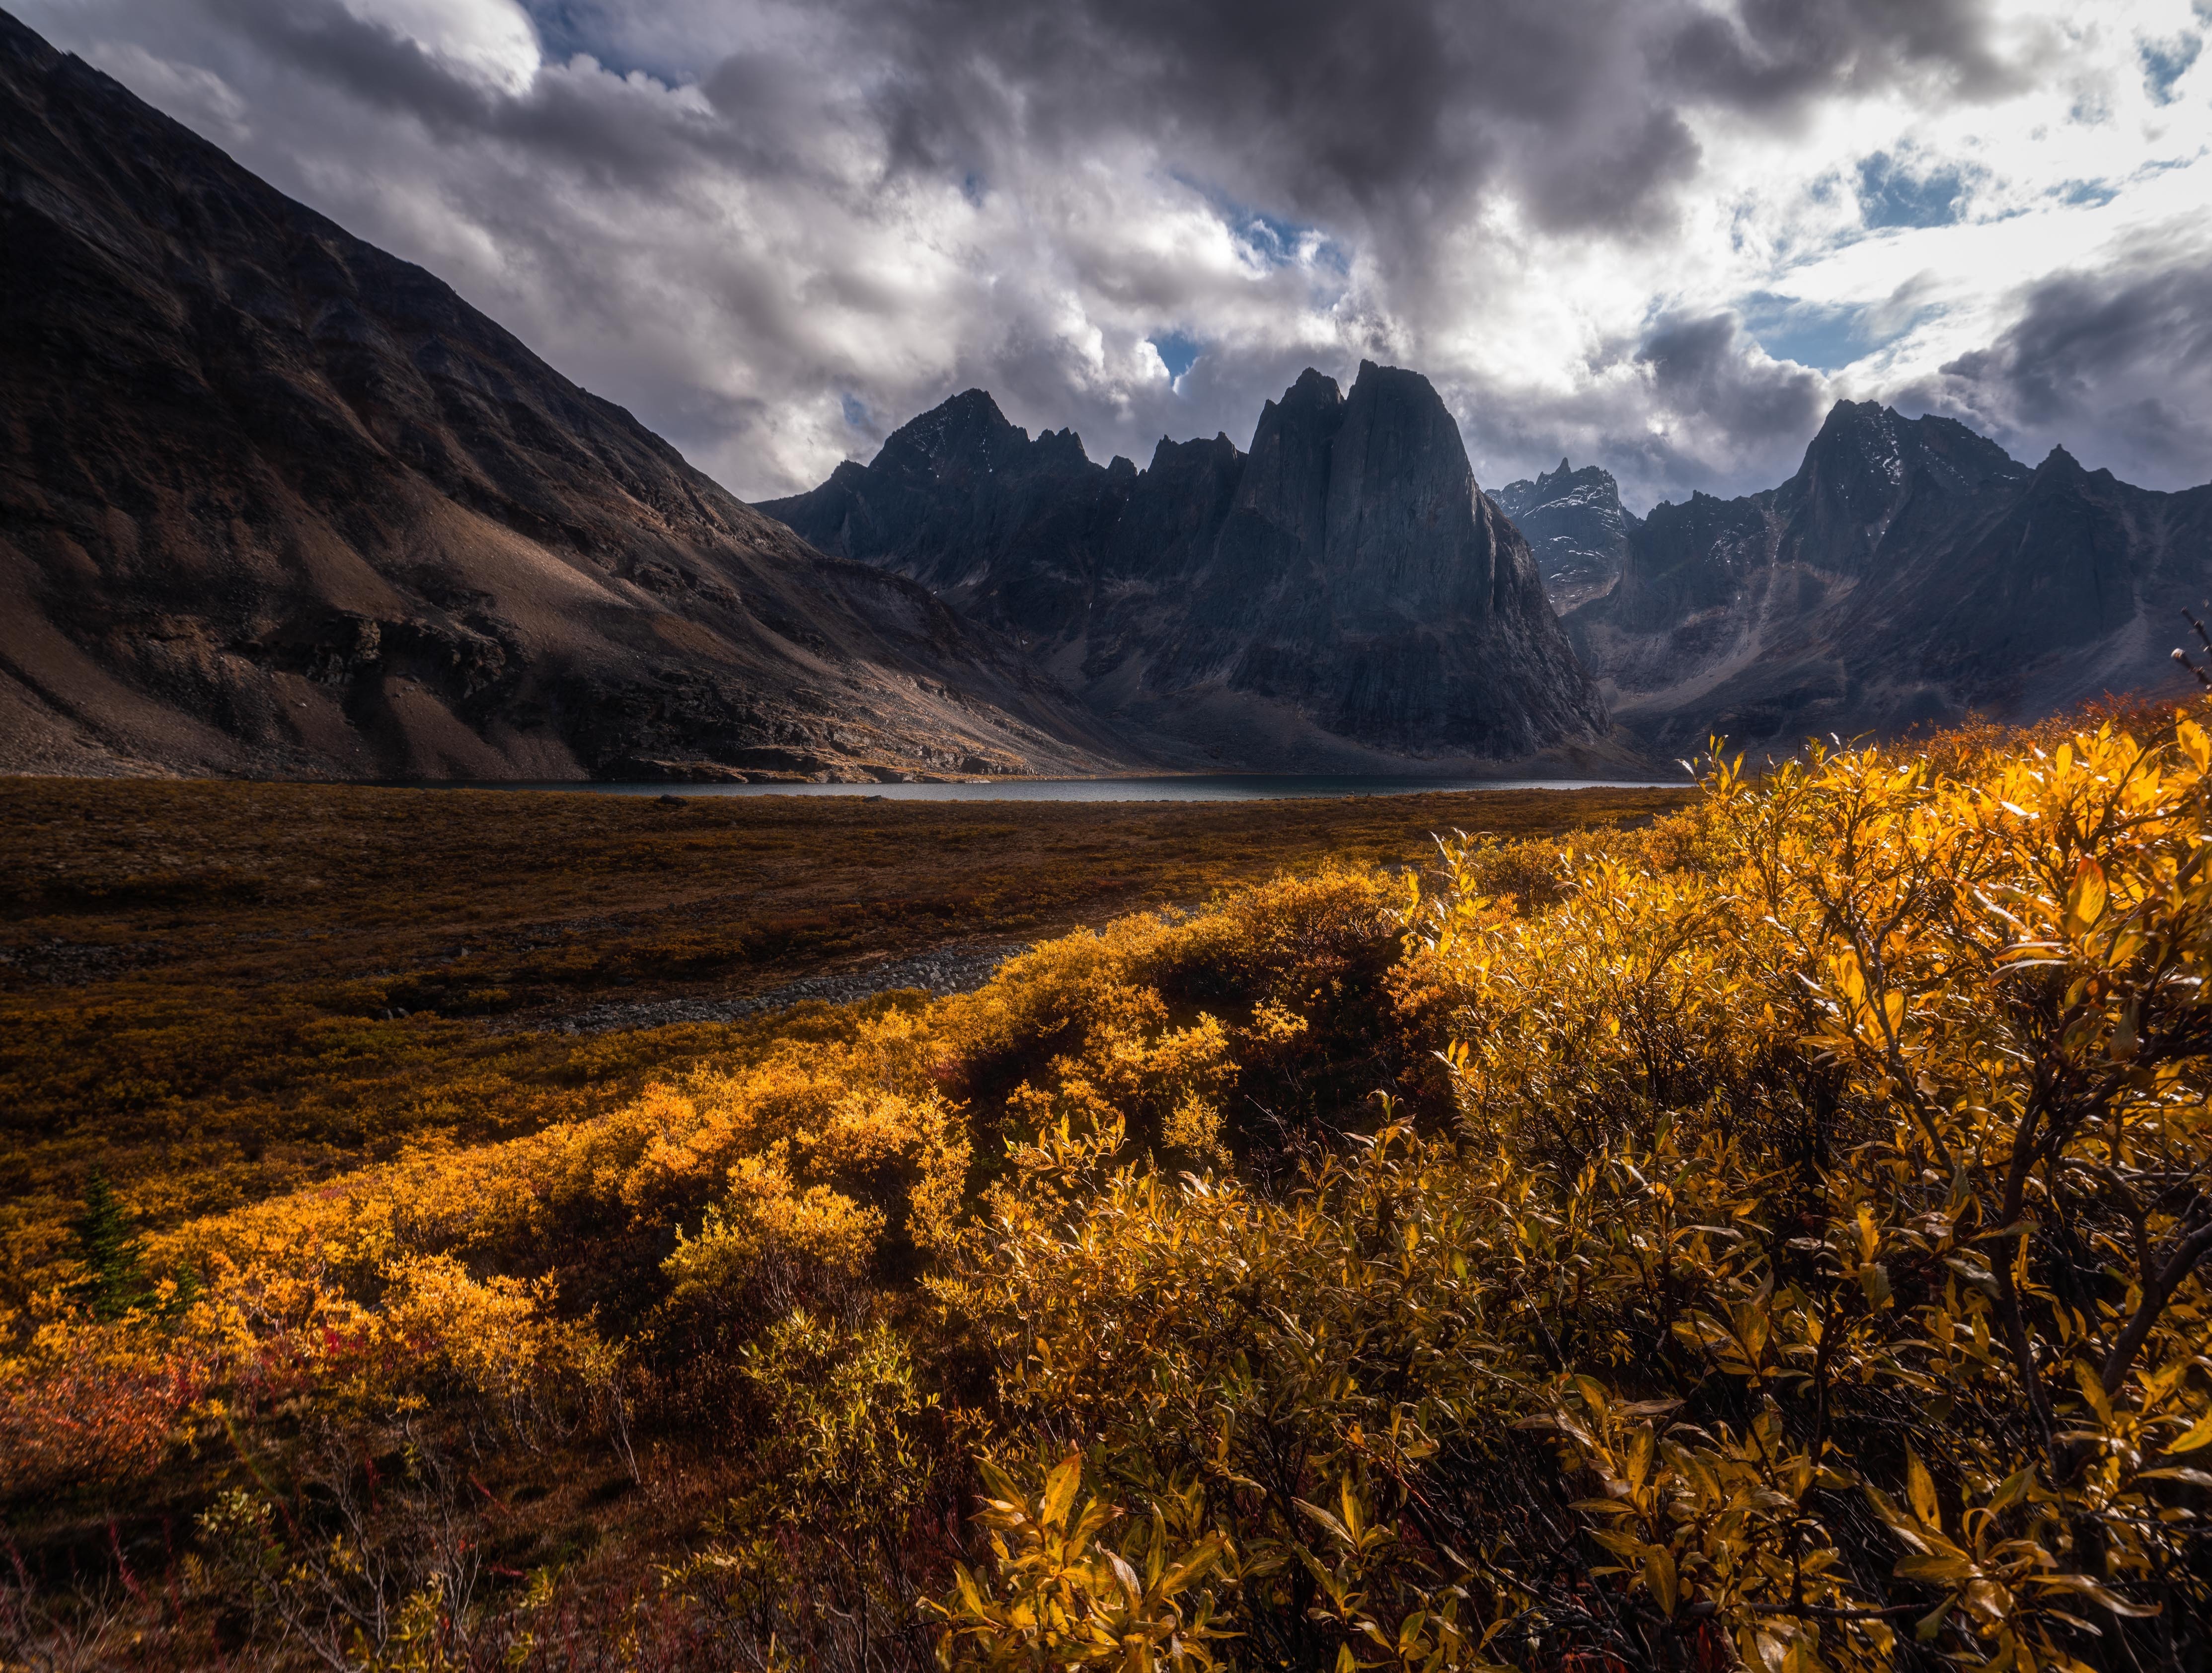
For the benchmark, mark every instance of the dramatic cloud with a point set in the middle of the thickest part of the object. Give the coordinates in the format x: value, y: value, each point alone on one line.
x: 2120, y: 360
x: 1662, y: 234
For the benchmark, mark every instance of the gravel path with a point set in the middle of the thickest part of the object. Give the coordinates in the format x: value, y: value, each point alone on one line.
x: 958, y: 969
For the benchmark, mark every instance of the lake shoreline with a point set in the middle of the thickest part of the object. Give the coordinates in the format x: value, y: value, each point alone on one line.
x: 1169, y: 788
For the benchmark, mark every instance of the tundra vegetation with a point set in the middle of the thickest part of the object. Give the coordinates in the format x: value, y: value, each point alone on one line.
x: 1773, y: 1236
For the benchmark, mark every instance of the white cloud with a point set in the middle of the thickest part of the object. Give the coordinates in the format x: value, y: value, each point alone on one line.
x: 493, y: 41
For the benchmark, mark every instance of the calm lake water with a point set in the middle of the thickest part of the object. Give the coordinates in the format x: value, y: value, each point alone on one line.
x: 1224, y: 787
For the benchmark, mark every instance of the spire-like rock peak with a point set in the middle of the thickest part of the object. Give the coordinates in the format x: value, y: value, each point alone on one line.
x: 1343, y: 587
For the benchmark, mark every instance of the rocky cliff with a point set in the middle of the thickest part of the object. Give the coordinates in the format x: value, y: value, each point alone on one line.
x: 1342, y: 596
x: 1910, y: 572
x: 1577, y: 526
x: 272, y: 500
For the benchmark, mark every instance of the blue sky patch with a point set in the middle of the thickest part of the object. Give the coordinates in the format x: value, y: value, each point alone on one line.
x: 1826, y: 337
x: 1276, y: 239
x: 1178, y: 350
x: 1892, y: 195
x: 2166, y: 62
x: 855, y: 413
x: 2096, y: 193
x: 566, y: 27
x: 1273, y: 240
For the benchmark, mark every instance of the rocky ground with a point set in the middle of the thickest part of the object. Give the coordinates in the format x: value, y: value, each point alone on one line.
x: 959, y: 968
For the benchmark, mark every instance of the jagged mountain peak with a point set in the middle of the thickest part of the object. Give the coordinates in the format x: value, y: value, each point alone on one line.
x: 1396, y: 386
x: 965, y: 427
x: 1577, y: 525
x: 1312, y: 388
x: 1341, y: 594
x: 1869, y: 466
x: 1168, y: 452
x: 1867, y: 439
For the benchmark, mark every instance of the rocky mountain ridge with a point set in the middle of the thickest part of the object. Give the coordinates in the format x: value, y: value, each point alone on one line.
x: 1910, y: 573
x: 273, y: 502
x: 1341, y: 596
x: 1577, y: 526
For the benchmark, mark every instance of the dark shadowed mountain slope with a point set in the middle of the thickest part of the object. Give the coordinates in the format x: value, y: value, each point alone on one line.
x: 1341, y: 596
x: 272, y: 500
x: 1577, y: 526
x: 1909, y: 572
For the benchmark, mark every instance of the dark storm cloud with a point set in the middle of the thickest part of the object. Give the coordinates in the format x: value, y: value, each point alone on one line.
x: 2117, y: 365
x: 1772, y: 55
x: 1691, y: 402
x: 1711, y: 411
x: 1394, y: 109
x: 1706, y: 368
x: 560, y: 121
x: 328, y: 43
x: 1373, y: 115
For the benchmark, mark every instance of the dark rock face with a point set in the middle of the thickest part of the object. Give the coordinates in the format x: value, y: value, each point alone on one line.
x: 1909, y: 573
x: 1577, y: 526
x: 1343, y: 593
x: 272, y: 500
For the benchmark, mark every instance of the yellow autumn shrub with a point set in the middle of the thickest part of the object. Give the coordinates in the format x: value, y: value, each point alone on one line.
x: 1816, y: 1277
x: 854, y: 1151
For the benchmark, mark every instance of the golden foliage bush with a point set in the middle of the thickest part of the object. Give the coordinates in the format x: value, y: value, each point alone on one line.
x: 1831, y: 1193
x: 503, y: 1277
x: 218, y: 993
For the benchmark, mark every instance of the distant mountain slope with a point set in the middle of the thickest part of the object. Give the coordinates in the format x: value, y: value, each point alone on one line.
x: 1909, y: 572
x: 1577, y: 526
x: 272, y: 500
x: 1343, y: 596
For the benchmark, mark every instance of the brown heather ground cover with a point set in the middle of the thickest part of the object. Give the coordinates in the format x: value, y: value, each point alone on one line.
x: 201, y: 983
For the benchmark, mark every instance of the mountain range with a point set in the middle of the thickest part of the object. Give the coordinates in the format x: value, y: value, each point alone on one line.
x: 275, y: 502
x: 1340, y: 597
x: 1910, y: 573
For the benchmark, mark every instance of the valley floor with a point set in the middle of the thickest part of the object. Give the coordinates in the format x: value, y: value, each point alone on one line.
x: 215, y: 992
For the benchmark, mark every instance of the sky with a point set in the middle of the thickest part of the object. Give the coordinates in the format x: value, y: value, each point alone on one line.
x: 1659, y: 235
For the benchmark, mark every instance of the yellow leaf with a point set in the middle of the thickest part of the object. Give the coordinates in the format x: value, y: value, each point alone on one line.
x: 1060, y: 1489
x: 1193, y: 1568
x: 2200, y: 1434
x: 1922, y: 1489
x: 2085, y: 900
x: 1126, y: 1577
x: 1941, y: 1568
x: 2194, y: 743
x: 2098, y: 1594
x: 2093, y: 1390
x: 1659, y: 1575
